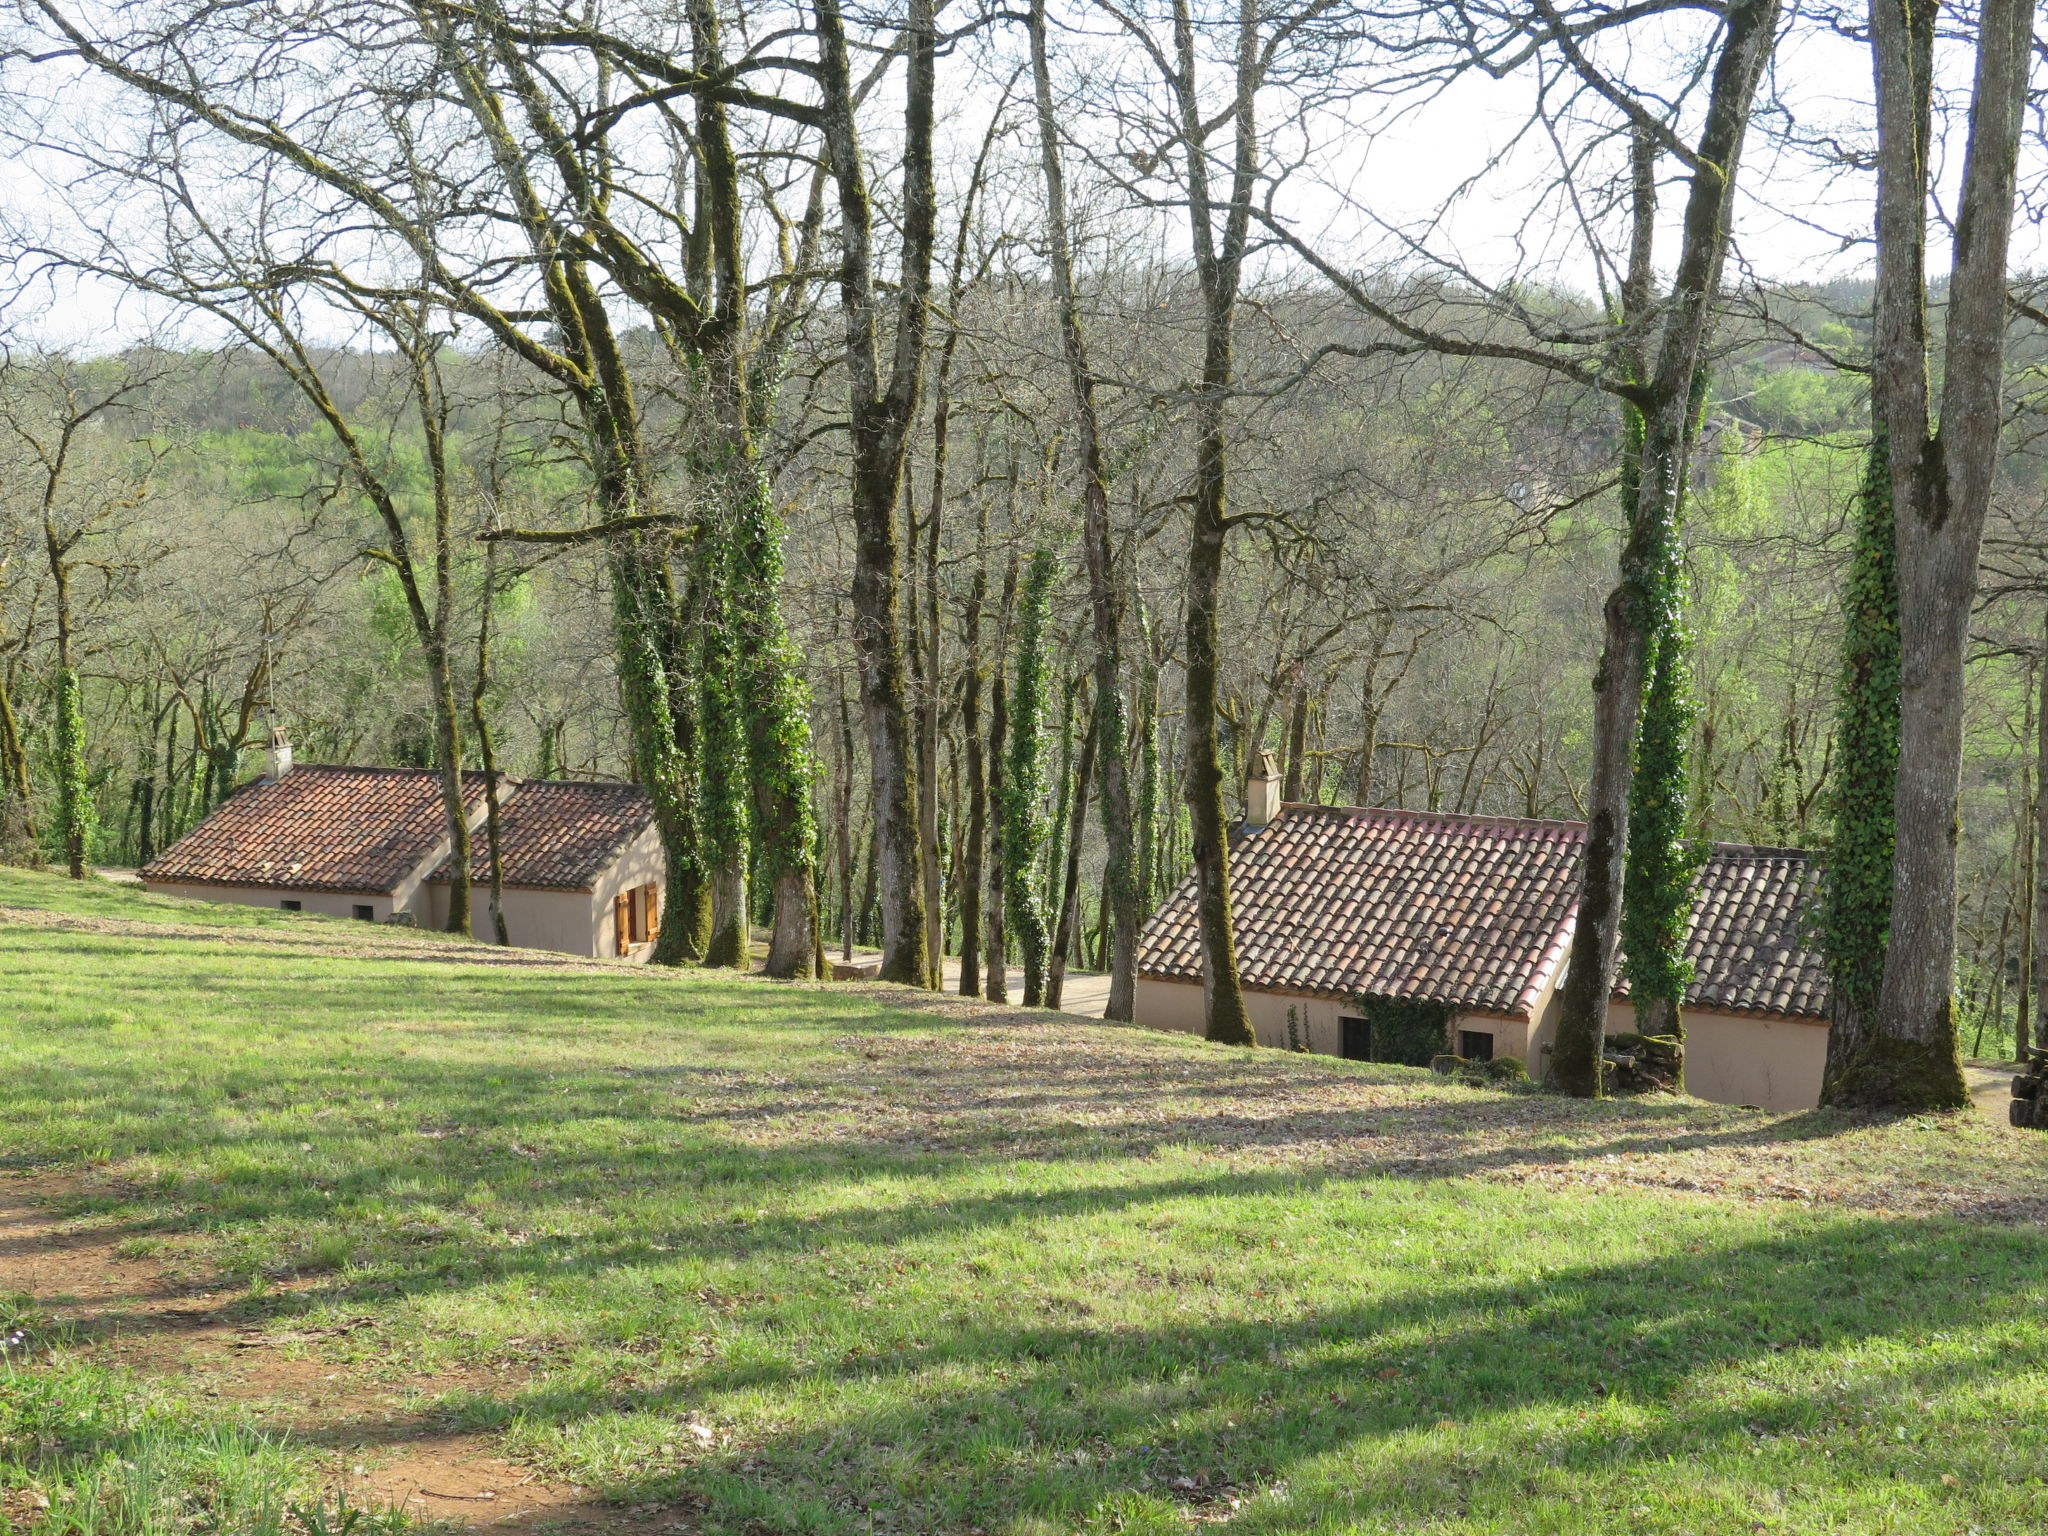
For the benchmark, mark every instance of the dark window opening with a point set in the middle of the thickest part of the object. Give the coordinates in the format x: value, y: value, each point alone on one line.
x: 366, y: 914
x: 1403, y: 1032
x: 1475, y: 1044
x: 1355, y: 1043
x: 291, y: 906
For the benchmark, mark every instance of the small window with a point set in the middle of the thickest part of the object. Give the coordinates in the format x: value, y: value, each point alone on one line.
x: 636, y: 916
x: 291, y: 906
x: 1475, y: 1044
x: 366, y: 914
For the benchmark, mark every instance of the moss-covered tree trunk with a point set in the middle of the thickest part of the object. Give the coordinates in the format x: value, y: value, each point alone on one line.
x: 1905, y: 1053
x: 1025, y: 828
x: 1662, y: 380
x: 1657, y: 879
x: 974, y: 844
x: 882, y: 406
x: 1856, y: 895
x: 727, y: 818
x: 1112, y: 728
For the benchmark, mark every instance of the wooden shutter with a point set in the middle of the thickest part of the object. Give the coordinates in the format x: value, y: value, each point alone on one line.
x: 622, y: 921
x: 652, y: 909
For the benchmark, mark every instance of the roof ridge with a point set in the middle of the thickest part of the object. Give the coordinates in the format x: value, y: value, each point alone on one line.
x: 1402, y: 813
x: 1765, y: 850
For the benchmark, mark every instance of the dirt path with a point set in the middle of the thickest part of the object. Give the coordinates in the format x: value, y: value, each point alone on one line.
x: 1991, y: 1089
x: 136, y: 1313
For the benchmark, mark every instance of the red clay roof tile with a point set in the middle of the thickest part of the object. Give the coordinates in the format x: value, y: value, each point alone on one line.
x: 318, y: 829
x: 1476, y: 912
x: 559, y: 834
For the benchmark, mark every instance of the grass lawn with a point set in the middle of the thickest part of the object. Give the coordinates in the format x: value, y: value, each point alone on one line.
x: 728, y: 1256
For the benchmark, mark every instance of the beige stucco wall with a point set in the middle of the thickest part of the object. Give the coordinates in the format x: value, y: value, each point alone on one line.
x: 1738, y: 1058
x: 1177, y: 1005
x: 572, y: 922
x: 640, y: 864
x: 331, y: 903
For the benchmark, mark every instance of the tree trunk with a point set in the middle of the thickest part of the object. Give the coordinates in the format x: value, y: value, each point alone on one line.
x: 1219, y: 257
x: 974, y: 854
x: 996, y: 962
x: 1070, y: 883
x: 1024, y: 829
x: 2040, y: 891
x: 1120, y: 882
x: 1941, y: 483
x: 880, y: 418
x: 1665, y: 403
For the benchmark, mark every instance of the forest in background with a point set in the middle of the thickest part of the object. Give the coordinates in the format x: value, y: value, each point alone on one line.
x: 612, y: 453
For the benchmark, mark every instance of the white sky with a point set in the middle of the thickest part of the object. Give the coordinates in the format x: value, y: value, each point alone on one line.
x: 1792, y: 224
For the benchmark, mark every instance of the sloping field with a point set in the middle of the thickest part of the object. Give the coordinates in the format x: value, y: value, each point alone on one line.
x: 305, y: 1219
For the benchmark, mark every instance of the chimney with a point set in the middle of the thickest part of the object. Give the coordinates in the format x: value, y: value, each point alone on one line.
x: 1262, y: 792
x: 277, y: 762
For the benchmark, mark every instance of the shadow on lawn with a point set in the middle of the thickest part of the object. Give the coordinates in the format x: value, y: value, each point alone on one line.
x: 925, y: 1436
x: 1467, y: 1397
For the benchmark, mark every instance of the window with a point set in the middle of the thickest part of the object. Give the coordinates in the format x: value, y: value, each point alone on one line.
x: 636, y: 917
x: 366, y: 914
x: 1355, y: 1038
x: 291, y: 906
x: 1475, y: 1044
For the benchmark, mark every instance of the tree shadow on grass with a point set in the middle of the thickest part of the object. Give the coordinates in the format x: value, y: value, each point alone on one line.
x: 1462, y: 1398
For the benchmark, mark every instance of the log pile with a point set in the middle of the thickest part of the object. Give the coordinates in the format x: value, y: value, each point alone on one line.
x: 2030, y: 1093
x: 1644, y: 1063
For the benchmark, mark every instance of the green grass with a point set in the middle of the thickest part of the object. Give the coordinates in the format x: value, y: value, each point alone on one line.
x: 806, y: 1260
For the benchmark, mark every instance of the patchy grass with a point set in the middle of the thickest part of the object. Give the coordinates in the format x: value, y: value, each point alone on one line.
x: 757, y: 1259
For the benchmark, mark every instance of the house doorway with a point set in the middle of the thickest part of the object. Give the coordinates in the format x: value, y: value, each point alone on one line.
x: 1354, y: 1041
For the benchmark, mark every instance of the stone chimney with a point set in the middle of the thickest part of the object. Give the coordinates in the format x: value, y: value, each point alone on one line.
x: 1262, y: 792
x: 277, y: 761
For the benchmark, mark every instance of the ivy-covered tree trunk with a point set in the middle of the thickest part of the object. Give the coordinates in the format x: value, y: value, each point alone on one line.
x: 1023, y: 789
x: 662, y: 741
x: 77, y: 822
x: 727, y: 822
x: 1662, y: 392
x: 1856, y: 896
x: 1657, y: 880
x: 780, y: 761
x: 974, y: 846
x: 17, y: 807
x: 1943, y: 458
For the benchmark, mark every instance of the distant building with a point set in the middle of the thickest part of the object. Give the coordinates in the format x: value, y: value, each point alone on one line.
x: 583, y: 867
x: 1378, y: 930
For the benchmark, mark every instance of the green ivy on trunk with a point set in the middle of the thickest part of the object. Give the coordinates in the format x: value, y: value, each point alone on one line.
x: 1856, y: 897
x: 77, y: 820
x: 1023, y: 806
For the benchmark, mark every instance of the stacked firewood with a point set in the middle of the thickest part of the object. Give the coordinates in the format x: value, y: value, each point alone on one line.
x: 2030, y: 1092
x: 1644, y: 1063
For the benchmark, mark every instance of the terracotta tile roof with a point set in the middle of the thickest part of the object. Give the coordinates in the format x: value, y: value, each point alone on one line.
x: 560, y: 835
x: 317, y: 829
x: 1334, y: 902
x: 1751, y: 942
x: 1475, y: 911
